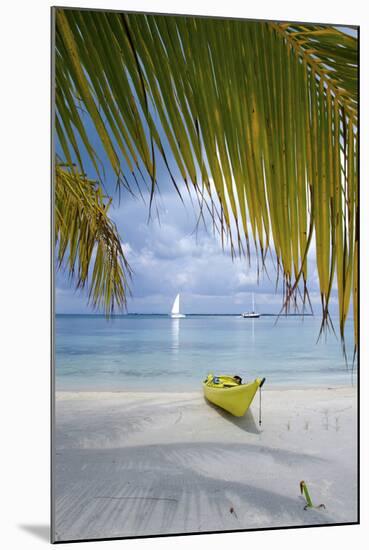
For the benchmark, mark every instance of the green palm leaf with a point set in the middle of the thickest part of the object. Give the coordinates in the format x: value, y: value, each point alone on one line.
x: 87, y: 240
x: 257, y: 117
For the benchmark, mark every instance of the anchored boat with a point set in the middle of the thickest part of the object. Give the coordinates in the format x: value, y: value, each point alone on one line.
x: 175, y: 313
x: 251, y: 314
x: 228, y: 393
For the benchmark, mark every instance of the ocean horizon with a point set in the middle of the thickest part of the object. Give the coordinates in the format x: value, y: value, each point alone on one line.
x: 151, y: 352
x: 187, y: 314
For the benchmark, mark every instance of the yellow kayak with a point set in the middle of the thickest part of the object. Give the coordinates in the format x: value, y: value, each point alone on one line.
x: 230, y: 395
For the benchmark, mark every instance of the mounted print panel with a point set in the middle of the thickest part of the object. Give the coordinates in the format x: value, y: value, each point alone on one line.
x: 205, y: 271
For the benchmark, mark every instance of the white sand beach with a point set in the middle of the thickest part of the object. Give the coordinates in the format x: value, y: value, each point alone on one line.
x: 130, y: 464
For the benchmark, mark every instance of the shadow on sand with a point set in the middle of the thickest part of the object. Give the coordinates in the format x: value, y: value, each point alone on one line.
x: 175, y: 488
x: 246, y: 422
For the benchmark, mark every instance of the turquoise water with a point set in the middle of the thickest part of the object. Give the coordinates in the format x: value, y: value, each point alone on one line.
x: 154, y: 352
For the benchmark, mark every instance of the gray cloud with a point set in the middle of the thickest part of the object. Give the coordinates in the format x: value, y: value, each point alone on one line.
x: 170, y: 254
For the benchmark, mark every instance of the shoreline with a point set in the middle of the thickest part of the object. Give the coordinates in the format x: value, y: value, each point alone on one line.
x: 266, y: 388
x: 144, y: 463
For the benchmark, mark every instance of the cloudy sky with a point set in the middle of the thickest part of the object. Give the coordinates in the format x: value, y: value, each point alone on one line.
x: 169, y: 255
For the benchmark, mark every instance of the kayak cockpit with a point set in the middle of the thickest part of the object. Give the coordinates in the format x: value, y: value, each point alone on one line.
x: 224, y: 381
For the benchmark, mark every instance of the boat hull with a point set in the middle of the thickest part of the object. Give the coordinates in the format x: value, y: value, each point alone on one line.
x: 177, y: 315
x: 250, y: 315
x: 235, y: 399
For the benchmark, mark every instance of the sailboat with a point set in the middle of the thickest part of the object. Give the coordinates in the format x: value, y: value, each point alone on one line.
x: 251, y: 314
x: 175, y: 314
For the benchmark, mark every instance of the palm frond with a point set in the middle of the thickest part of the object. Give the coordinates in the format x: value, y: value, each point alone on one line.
x: 87, y: 240
x: 259, y: 117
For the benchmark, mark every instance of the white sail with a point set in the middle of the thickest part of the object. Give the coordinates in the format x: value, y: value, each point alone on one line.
x: 175, y: 314
x: 175, y: 308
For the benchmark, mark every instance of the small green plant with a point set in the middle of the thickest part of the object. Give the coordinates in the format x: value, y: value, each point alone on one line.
x: 305, y: 492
